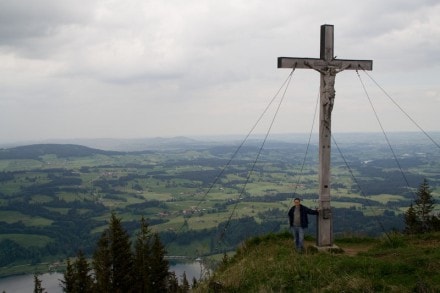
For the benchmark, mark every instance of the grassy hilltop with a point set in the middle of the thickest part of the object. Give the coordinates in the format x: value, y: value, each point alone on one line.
x: 398, y: 263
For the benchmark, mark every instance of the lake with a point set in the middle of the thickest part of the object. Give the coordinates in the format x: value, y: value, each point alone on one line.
x: 51, y: 281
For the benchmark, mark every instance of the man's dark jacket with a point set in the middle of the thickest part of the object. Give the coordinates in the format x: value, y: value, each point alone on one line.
x: 303, y: 215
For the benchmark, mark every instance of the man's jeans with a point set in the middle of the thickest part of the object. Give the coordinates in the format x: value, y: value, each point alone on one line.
x: 298, y: 235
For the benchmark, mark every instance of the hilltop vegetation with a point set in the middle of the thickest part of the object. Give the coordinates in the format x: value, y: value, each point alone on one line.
x: 56, y: 199
x: 271, y: 264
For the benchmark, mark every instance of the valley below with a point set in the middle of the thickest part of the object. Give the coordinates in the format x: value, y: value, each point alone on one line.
x: 203, y: 198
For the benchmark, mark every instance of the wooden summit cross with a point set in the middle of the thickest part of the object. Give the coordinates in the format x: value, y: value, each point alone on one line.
x: 328, y: 67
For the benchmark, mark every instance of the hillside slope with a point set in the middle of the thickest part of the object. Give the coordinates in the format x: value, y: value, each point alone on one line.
x: 270, y: 264
x: 60, y: 150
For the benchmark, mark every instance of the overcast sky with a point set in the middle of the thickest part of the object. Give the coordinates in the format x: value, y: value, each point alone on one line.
x: 140, y: 68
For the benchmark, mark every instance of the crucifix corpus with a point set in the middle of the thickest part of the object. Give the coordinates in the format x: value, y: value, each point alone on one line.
x: 328, y: 67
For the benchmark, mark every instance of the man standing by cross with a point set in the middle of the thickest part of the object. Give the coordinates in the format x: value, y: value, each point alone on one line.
x: 328, y: 67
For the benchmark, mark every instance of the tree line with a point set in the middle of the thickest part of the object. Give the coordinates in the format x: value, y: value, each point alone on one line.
x: 119, y: 266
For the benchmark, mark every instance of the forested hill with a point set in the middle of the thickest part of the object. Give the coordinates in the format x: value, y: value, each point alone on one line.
x: 60, y: 150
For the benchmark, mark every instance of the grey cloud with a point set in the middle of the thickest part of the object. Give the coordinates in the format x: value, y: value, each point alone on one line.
x: 377, y: 18
x: 193, y: 60
x: 23, y: 22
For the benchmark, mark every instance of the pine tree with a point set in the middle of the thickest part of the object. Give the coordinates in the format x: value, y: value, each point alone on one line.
x: 172, y: 283
x: 194, y: 282
x: 77, y: 277
x: 102, y: 264
x: 68, y: 278
x: 419, y: 217
x: 424, y: 206
x: 159, y: 265
x: 117, y: 269
x: 83, y: 280
x: 412, y: 225
x: 142, y: 258
x: 37, y: 285
x: 113, y: 259
x: 121, y: 255
x: 185, y: 284
x: 435, y: 222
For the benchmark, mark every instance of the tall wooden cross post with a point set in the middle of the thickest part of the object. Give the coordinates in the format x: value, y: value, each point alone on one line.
x: 328, y: 67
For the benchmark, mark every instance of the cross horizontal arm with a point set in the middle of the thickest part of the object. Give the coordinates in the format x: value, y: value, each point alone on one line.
x: 315, y: 63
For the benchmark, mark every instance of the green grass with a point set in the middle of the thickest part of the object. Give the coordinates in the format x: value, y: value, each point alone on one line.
x: 270, y: 264
x: 69, y: 197
x: 384, y: 198
x: 27, y: 240
x: 41, y: 199
x: 19, y: 165
x: 62, y: 211
x: 14, y: 217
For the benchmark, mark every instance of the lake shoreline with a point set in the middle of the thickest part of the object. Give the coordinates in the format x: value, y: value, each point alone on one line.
x: 51, y: 281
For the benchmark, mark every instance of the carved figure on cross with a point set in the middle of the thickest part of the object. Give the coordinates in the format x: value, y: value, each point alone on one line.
x: 329, y: 93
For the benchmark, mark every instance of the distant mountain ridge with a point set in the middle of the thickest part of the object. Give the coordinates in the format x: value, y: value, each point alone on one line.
x: 124, y: 145
x: 61, y: 150
x: 182, y: 142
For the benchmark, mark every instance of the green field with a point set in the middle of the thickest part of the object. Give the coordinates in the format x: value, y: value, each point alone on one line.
x: 27, y: 240
x: 14, y: 217
x: 66, y: 199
